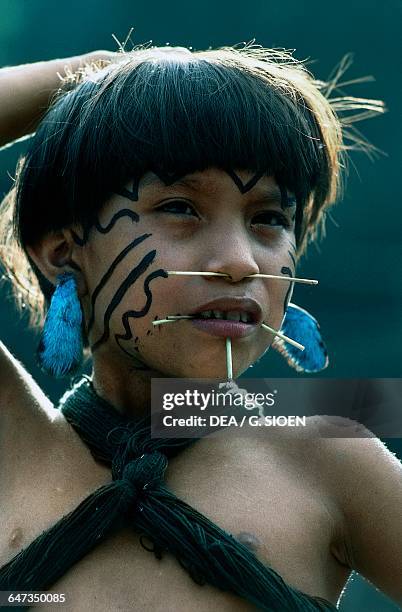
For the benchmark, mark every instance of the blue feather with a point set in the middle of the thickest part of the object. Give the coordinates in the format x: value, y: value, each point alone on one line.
x: 60, y: 346
x: 301, y: 326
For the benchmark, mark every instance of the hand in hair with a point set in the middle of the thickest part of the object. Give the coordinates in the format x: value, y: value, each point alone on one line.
x: 27, y: 90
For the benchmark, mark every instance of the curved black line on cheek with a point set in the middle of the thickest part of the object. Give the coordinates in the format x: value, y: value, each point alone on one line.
x: 139, y: 313
x: 124, y: 212
x: 288, y: 272
x: 109, y: 273
x: 243, y: 188
x: 121, y: 291
x: 292, y: 258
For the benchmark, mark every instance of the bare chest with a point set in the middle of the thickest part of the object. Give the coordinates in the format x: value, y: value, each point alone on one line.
x: 265, y: 496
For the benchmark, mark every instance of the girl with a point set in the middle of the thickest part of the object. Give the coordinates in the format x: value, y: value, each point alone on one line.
x: 221, y: 162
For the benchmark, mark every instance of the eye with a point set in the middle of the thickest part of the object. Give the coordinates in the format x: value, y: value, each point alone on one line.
x: 272, y: 218
x: 178, y: 207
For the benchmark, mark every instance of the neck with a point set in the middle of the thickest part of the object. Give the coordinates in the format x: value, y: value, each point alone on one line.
x: 126, y: 388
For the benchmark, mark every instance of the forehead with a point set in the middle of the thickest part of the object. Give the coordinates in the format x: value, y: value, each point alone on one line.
x: 212, y: 179
x: 215, y: 180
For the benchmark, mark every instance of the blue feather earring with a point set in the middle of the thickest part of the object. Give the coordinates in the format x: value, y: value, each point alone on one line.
x: 60, y: 347
x: 301, y: 326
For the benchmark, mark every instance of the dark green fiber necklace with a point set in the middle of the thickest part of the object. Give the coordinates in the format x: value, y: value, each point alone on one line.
x: 138, y: 496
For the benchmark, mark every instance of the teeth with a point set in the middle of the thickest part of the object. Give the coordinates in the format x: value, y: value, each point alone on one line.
x: 232, y: 315
x: 206, y: 314
x: 218, y: 314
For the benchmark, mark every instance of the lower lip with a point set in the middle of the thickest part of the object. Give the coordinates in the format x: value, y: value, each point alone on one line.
x: 224, y: 328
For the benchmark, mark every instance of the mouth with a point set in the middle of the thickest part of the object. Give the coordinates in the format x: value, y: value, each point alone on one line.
x: 228, y: 317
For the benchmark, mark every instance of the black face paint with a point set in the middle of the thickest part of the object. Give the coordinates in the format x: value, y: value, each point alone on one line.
x: 139, y: 313
x: 110, y: 271
x: 130, y: 195
x: 292, y: 258
x: 243, y: 188
x: 168, y: 178
x: 124, y: 212
x: 133, y: 196
x: 288, y: 272
x: 130, y: 280
x: 120, y: 293
x: 286, y: 200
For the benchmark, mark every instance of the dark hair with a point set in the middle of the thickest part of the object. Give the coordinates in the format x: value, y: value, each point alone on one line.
x: 175, y: 113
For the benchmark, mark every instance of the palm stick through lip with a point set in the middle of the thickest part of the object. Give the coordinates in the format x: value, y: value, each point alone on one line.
x: 276, y: 332
x: 282, y: 336
x: 229, y: 362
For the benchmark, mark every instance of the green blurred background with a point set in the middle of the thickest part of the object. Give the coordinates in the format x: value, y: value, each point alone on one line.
x: 357, y: 301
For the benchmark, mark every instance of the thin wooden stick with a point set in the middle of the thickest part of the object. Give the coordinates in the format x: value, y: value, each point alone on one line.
x: 307, y: 281
x: 278, y: 333
x: 173, y: 318
x: 163, y: 321
x: 229, y: 365
x: 197, y: 273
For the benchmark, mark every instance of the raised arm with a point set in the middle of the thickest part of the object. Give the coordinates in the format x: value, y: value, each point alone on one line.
x: 25, y: 92
x: 370, y: 494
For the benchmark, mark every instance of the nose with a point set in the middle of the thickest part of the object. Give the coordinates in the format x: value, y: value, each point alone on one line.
x: 230, y: 252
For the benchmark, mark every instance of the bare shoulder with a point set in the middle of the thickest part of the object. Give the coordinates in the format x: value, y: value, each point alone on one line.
x: 338, y: 447
x: 365, y: 479
x: 312, y: 431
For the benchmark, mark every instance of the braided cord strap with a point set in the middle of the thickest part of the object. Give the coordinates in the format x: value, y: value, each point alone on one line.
x: 138, y: 496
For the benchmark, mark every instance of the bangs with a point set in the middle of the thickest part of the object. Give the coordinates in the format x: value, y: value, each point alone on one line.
x: 177, y: 118
x: 174, y: 112
x: 171, y: 116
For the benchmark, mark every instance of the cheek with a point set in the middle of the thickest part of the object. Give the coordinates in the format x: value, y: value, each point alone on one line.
x: 129, y: 290
x: 283, y: 263
x: 121, y: 287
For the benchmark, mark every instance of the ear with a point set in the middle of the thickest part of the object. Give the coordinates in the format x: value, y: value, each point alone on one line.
x: 56, y: 253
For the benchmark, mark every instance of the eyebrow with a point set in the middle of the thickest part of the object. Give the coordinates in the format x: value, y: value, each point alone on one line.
x: 270, y: 194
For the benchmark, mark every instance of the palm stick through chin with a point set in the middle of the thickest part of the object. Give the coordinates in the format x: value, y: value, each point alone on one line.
x: 229, y: 362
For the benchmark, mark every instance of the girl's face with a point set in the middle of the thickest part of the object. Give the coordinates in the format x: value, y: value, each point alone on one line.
x: 210, y: 221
